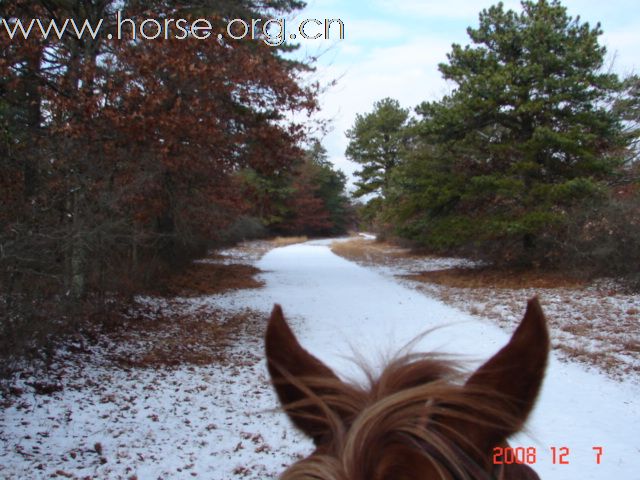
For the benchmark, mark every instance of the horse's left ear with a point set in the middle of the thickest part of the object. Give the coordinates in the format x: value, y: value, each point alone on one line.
x: 510, y: 381
x: 299, y: 378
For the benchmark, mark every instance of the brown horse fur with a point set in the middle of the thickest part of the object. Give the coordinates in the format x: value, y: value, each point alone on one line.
x: 416, y: 421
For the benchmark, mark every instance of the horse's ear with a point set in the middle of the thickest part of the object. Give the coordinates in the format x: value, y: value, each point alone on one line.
x: 510, y: 381
x: 299, y: 378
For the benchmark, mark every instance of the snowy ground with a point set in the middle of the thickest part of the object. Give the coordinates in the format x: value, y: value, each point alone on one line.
x: 215, y: 421
x: 595, y: 323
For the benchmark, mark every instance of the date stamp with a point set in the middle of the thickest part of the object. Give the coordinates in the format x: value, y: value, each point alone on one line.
x: 530, y: 455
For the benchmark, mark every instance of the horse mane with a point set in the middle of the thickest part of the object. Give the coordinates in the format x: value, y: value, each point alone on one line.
x: 390, y: 408
x: 422, y: 417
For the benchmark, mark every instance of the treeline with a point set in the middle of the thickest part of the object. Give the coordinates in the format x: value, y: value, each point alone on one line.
x: 530, y: 161
x: 309, y: 199
x: 120, y: 159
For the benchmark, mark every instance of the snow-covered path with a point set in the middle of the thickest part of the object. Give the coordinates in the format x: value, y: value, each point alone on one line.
x: 213, y: 421
x: 337, y: 306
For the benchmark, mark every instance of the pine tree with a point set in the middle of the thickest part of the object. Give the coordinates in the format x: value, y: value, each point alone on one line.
x: 526, y: 133
x: 375, y: 142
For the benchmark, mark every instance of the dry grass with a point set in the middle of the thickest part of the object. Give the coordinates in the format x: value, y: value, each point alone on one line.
x: 383, y: 253
x: 164, y: 328
x: 172, y: 333
x: 366, y: 251
x: 285, y: 241
x: 632, y: 346
x: 212, y: 278
x: 492, y: 278
x: 172, y: 338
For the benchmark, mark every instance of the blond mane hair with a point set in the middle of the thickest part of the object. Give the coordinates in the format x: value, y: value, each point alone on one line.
x: 418, y: 419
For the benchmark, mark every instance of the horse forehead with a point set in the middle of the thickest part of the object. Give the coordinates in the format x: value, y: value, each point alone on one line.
x: 405, y: 463
x: 393, y: 456
x: 383, y: 461
x: 389, y: 466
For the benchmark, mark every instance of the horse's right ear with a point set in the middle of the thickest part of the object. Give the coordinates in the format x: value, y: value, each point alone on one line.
x: 512, y: 378
x: 299, y: 378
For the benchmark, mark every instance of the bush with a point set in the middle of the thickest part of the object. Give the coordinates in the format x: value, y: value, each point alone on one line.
x: 245, y: 228
x: 605, y: 240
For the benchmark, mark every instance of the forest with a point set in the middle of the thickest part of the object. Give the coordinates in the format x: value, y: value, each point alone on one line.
x: 122, y: 160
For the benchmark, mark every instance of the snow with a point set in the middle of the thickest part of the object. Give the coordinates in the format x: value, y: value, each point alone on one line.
x: 595, y: 323
x: 217, y: 421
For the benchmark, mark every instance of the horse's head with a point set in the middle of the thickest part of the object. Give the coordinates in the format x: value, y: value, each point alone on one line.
x: 412, y: 422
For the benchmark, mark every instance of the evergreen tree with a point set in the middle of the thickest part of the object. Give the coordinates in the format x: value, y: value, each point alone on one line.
x: 331, y: 187
x: 525, y: 134
x: 308, y: 200
x: 627, y: 106
x: 375, y: 142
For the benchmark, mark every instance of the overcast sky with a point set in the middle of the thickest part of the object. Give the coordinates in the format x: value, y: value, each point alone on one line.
x: 392, y: 49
